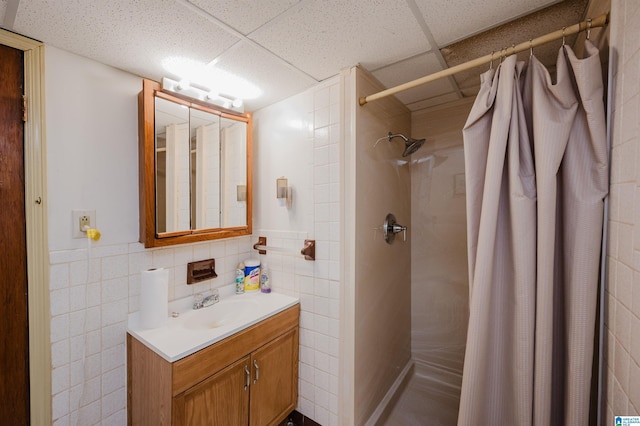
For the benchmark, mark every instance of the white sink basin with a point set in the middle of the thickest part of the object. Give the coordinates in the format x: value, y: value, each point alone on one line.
x: 193, y: 330
x: 222, y: 313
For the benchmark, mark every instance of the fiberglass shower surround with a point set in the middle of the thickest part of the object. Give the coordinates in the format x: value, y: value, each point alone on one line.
x: 536, y: 177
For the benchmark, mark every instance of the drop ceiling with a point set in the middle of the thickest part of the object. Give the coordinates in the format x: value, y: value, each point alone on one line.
x: 287, y: 46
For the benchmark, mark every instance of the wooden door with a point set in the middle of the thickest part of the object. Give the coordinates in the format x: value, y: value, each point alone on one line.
x: 222, y: 399
x: 14, y: 330
x: 274, y: 381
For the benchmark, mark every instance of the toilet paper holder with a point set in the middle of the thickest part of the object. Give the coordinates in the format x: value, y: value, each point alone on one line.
x: 201, y: 270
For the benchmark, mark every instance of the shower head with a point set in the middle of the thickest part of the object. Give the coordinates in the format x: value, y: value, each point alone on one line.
x: 411, y: 145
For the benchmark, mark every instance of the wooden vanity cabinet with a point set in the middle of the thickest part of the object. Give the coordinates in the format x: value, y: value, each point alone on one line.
x: 222, y: 399
x: 249, y: 378
x: 272, y: 392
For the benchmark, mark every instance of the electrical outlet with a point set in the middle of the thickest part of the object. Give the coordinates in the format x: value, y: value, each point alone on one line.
x: 80, y: 219
x: 85, y: 222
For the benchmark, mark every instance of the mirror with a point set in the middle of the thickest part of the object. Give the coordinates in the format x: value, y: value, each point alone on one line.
x: 195, y: 170
x: 172, y: 166
x: 205, y: 169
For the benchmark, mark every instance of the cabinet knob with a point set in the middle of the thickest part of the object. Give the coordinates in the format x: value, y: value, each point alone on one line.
x: 255, y: 364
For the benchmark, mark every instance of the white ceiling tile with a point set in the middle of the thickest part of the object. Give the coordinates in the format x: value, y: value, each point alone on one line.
x: 452, y: 20
x: 131, y: 35
x: 411, y: 69
x: 323, y: 37
x: 245, y: 15
x: 303, y: 41
x: 437, y: 100
x: 276, y: 79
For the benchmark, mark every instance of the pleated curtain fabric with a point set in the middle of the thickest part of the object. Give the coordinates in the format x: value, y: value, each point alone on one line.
x: 536, y: 176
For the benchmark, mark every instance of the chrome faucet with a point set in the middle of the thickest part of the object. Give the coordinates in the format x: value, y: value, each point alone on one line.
x: 202, y: 301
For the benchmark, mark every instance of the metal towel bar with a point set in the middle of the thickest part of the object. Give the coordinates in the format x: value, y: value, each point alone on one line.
x: 308, y: 251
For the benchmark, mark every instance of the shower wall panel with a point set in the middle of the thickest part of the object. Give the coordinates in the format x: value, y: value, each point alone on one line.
x: 439, y: 278
x: 382, y: 271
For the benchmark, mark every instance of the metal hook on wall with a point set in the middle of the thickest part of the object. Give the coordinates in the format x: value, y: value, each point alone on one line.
x: 588, y: 28
x: 530, y: 49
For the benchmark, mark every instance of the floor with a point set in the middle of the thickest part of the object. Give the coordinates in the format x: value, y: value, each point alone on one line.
x: 427, y: 400
x: 297, y: 419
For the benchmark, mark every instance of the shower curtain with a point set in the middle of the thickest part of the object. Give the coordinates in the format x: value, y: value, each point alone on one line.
x: 536, y: 175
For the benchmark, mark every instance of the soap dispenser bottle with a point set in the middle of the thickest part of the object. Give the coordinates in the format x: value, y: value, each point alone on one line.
x: 240, y: 278
x: 265, y: 278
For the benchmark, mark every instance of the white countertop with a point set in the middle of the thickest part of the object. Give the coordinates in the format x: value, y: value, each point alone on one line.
x: 193, y: 329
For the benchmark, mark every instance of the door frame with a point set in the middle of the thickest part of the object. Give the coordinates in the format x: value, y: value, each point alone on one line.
x: 37, y: 229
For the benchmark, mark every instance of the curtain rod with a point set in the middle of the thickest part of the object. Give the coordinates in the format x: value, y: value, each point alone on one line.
x: 599, y: 21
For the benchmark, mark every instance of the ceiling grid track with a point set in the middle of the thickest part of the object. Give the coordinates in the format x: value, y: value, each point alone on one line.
x: 242, y: 37
x: 432, y: 41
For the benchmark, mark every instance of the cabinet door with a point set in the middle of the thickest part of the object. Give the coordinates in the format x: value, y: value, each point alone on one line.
x: 222, y: 399
x: 274, y: 380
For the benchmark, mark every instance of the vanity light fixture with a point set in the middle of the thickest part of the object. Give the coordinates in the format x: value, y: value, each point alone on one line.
x: 210, y: 77
x: 216, y: 98
x: 183, y: 85
x: 284, y: 192
x: 185, y: 88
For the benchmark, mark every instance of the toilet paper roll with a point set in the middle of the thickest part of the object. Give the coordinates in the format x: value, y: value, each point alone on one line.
x: 154, y: 297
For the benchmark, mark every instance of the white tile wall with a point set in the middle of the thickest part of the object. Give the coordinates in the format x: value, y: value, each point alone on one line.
x: 88, y: 324
x: 89, y: 318
x: 88, y: 369
x: 317, y: 283
x: 622, y: 339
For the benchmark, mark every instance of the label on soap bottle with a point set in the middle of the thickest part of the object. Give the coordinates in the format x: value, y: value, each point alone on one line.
x: 252, y: 276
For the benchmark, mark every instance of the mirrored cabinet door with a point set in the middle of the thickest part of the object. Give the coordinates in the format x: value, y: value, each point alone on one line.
x: 233, y: 136
x: 205, y: 169
x: 195, y: 170
x: 172, y: 166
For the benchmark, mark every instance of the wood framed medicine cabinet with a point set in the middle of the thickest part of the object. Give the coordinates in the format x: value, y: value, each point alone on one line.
x: 195, y: 169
